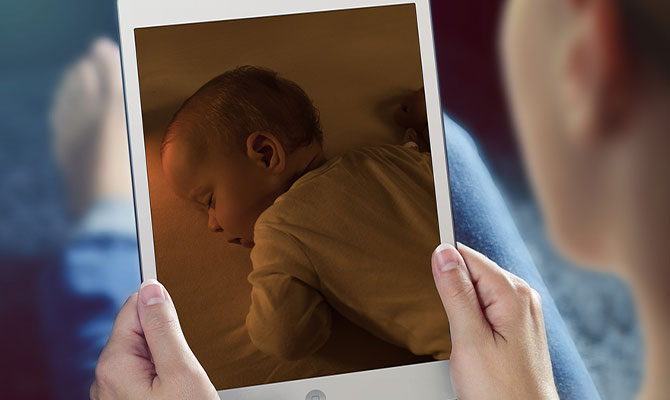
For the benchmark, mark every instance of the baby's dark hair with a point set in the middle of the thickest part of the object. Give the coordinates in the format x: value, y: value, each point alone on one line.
x: 244, y: 100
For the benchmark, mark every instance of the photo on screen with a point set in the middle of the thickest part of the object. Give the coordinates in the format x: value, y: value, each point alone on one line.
x: 292, y: 195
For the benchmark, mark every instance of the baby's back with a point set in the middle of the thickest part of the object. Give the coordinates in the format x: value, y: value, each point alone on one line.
x: 365, y: 224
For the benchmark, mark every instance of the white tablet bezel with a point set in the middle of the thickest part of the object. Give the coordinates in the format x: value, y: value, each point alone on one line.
x: 427, y: 380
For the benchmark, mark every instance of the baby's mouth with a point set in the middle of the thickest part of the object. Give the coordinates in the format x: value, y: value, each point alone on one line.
x: 244, y: 243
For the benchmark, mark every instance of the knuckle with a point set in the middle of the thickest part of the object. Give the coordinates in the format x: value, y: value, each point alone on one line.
x: 536, y: 298
x: 103, y: 376
x: 93, y: 391
x: 528, y: 298
x: 536, y: 304
x: 132, y: 298
x: 523, y: 289
x: 100, y: 368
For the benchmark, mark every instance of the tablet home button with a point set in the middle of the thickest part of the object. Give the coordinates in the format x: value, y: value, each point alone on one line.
x: 315, y: 395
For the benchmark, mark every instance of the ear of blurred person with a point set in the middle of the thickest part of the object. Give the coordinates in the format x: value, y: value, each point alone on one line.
x: 592, y: 117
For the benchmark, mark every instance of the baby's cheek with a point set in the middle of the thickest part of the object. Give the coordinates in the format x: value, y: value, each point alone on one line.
x: 238, y: 221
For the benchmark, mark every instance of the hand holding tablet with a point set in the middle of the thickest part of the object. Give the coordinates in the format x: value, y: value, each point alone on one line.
x: 499, y: 344
x: 146, y: 356
x: 500, y: 352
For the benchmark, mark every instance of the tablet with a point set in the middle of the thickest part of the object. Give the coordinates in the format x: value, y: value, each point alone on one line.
x: 290, y: 188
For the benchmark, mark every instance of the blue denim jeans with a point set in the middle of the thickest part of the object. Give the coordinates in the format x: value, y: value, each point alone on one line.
x: 483, y: 222
x: 100, y: 269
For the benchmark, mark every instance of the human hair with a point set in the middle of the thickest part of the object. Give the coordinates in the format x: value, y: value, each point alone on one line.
x: 646, y: 27
x: 247, y: 99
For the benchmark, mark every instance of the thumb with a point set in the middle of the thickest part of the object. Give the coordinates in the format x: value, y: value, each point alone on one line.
x: 458, y: 293
x: 162, y: 332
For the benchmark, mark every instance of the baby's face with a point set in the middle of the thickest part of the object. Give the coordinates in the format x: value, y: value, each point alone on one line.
x: 228, y: 188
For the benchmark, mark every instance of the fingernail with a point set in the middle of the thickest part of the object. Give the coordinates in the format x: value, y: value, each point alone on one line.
x: 446, y: 257
x: 151, y: 292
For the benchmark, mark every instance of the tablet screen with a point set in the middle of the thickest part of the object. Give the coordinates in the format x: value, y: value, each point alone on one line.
x: 292, y: 195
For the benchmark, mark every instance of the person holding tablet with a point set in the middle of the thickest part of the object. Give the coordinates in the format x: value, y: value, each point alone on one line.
x: 589, y: 82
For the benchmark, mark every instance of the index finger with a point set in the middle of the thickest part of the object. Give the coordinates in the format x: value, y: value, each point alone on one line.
x: 482, y: 266
x: 493, y: 283
x: 127, y: 331
x: 127, y: 320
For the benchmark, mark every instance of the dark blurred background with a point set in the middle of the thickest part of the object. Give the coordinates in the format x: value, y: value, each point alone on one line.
x: 40, y: 39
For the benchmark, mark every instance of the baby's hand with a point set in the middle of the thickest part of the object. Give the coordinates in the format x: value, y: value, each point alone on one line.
x: 411, y: 139
x: 411, y: 113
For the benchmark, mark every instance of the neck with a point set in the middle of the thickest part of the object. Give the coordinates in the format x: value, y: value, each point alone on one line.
x: 644, y: 226
x: 647, y: 271
x: 317, y: 160
x: 652, y: 301
x: 306, y: 159
x: 647, y: 258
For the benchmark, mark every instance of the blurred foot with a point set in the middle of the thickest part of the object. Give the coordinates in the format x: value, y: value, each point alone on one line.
x: 89, y: 128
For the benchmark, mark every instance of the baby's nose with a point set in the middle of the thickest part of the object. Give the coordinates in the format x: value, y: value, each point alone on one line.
x: 212, y: 223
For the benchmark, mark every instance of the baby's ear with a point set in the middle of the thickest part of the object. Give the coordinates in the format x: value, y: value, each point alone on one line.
x: 266, y: 151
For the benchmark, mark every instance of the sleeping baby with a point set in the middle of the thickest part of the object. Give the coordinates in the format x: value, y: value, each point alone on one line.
x: 352, y: 234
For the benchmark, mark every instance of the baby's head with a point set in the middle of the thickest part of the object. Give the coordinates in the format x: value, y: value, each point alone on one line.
x: 237, y: 144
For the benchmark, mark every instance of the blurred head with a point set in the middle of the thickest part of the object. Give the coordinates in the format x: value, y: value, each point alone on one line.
x: 588, y: 81
x: 237, y: 144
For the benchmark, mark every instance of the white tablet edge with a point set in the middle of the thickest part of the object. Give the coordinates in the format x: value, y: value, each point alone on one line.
x: 426, y: 380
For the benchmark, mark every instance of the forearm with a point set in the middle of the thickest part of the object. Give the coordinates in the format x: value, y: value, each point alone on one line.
x: 287, y: 319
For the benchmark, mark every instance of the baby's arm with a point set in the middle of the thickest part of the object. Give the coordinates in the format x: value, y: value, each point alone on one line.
x: 288, y: 317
